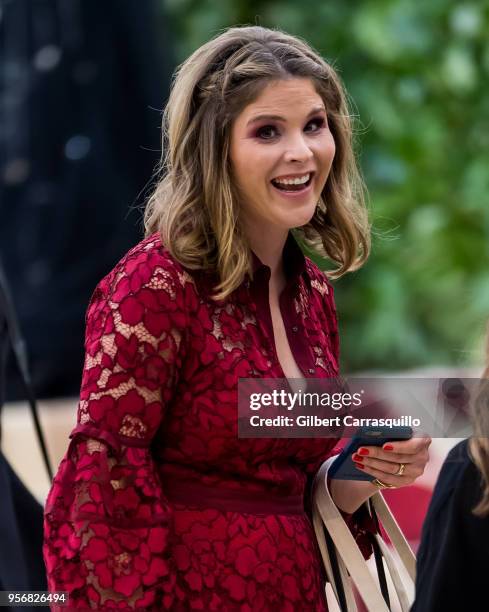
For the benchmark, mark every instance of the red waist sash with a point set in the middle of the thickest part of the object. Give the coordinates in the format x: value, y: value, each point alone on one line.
x: 198, y: 495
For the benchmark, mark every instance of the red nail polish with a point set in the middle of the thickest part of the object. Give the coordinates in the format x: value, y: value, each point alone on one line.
x: 359, y: 466
x: 388, y: 447
x: 357, y: 458
x: 363, y: 451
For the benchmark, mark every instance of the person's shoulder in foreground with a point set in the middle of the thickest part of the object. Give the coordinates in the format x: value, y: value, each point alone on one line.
x: 454, y: 549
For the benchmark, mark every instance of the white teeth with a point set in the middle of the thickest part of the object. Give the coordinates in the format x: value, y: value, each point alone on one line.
x: 295, y: 181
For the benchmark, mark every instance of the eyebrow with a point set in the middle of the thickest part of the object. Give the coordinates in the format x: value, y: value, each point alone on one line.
x: 314, y: 111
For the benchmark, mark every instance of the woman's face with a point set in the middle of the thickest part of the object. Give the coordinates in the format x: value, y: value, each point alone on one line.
x: 281, y: 153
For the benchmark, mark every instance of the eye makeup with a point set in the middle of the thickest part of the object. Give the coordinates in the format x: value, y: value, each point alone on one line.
x: 269, y: 131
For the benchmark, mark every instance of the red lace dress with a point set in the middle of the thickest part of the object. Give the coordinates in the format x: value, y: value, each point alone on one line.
x: 157, y: 503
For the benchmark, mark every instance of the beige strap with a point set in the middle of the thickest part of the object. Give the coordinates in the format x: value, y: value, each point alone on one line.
x: 350, y: 558
x: 394, y: 574
x: 345, y: 544
x: 395, y: 534
x: 321, y: 539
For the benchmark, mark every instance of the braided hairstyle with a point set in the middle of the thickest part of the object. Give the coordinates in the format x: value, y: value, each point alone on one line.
x: 195, y: 205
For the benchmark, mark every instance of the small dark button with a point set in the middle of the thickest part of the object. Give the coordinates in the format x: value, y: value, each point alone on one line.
x: 295, y: 328
x: 311, y: 370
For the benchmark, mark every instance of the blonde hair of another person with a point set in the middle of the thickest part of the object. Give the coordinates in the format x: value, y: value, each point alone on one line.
x: 195, y: 206
x: 479, y: 444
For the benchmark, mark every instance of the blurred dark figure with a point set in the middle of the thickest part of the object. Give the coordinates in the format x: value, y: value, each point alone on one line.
x: 453, y: 555
x: 82, y: 83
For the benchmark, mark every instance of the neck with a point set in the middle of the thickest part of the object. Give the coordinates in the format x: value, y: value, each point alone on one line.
x: 269, y: 248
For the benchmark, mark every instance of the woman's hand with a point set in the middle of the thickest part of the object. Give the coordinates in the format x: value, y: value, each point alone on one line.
x: 382, y: 465
x: 396, y: 463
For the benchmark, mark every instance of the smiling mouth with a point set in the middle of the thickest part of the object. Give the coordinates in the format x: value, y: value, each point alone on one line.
x: 294, y: 185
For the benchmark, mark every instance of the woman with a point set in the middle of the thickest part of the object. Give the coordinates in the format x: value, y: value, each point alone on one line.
x: 454, y: 551
x: 157, y: 503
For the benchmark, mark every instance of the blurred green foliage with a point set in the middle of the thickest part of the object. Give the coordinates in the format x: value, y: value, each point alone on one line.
x: 418, y: 76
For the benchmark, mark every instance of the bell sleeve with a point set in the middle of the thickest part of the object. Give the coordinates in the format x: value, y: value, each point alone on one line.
x: 106, y: 516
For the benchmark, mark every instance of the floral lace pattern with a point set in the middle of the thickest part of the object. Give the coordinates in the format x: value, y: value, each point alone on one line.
x: 158, y: 406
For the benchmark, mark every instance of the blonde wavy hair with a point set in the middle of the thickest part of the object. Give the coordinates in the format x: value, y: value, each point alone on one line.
x: 195, y: 206
x: 479, y: 444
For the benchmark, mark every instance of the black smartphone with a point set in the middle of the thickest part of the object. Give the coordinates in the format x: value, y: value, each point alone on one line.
x: 343, y: 468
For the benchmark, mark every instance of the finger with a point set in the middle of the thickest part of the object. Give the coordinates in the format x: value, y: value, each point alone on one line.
x: 387, y: 467
x: 376, y: 452
x: 410, y: 447
x: 390, y: 479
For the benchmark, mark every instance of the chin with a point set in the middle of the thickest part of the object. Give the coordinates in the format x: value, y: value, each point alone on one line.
x: 302, y: 219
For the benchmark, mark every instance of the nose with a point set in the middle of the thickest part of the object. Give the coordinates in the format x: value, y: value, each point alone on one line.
x: 298, y: 149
